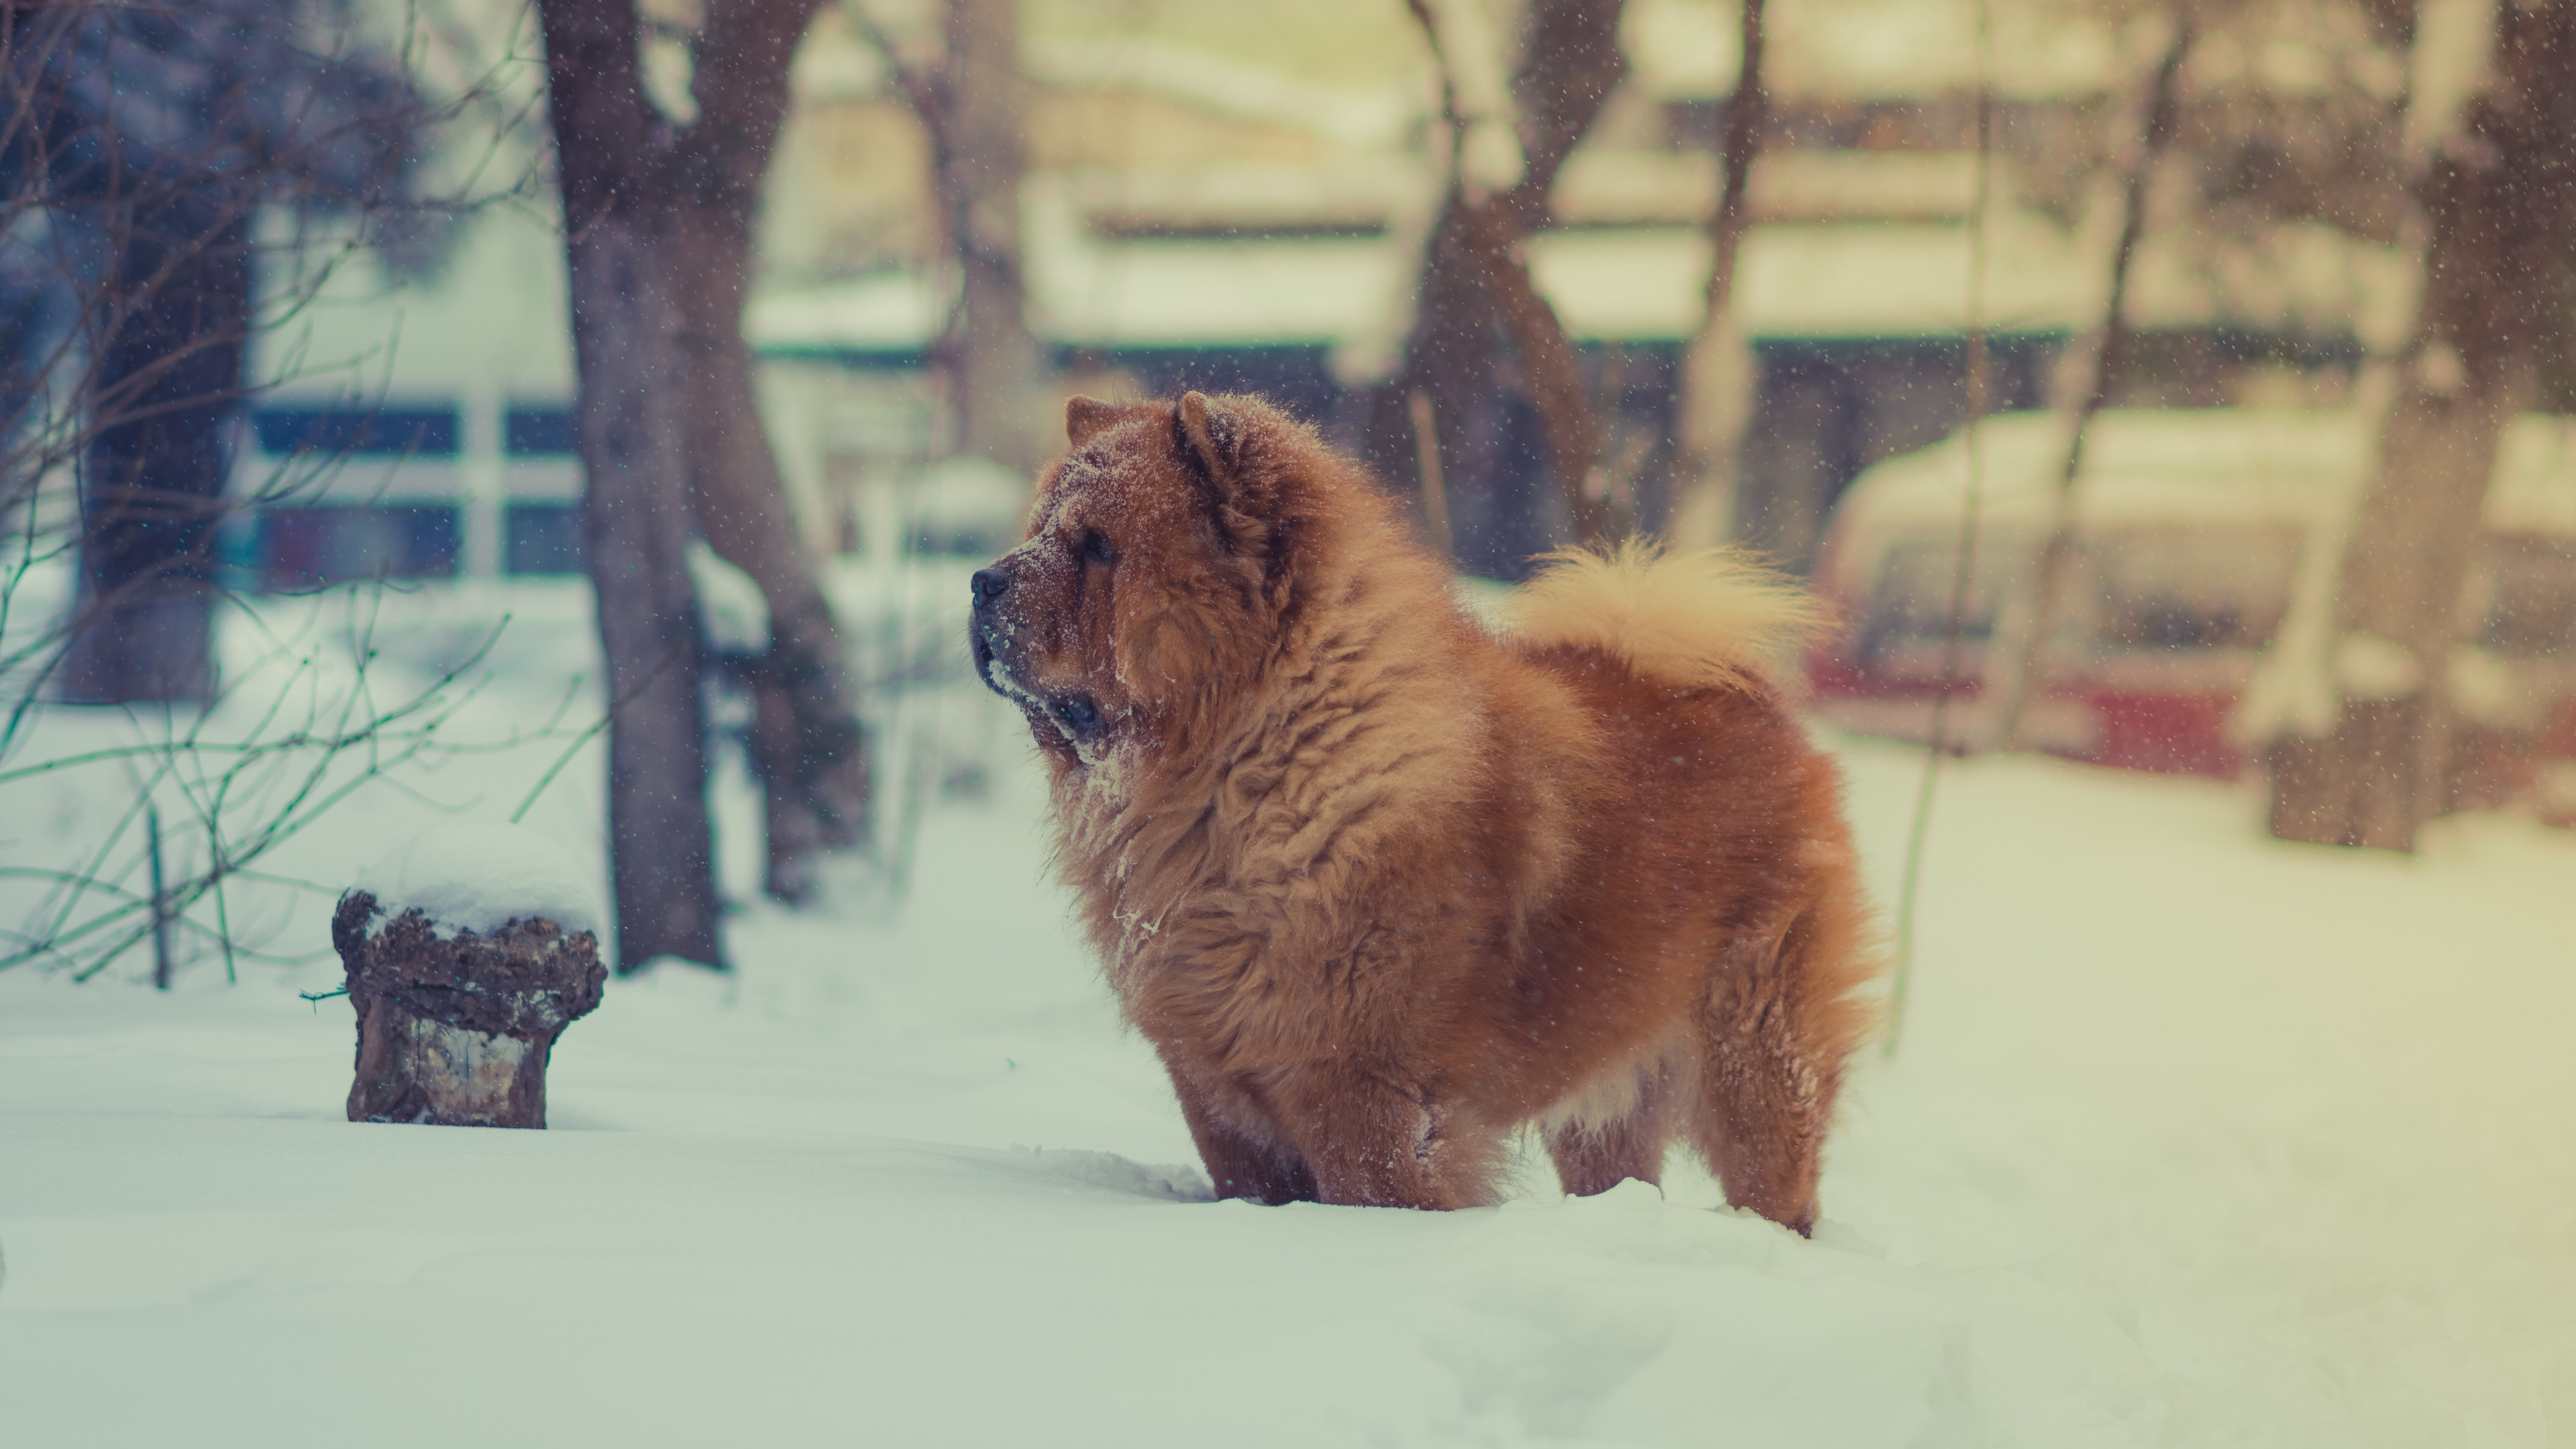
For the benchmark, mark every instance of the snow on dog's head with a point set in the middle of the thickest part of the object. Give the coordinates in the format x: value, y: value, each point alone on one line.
x: 479, y: 876
x: 1164, y: 552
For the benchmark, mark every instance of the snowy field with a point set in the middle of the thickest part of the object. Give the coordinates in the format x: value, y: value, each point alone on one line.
x: 2193, y: 1139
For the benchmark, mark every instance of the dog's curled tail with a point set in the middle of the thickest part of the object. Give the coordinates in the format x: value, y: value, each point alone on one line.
x: 1695, y: 617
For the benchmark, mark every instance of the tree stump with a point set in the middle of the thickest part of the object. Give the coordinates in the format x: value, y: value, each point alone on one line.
x: 455, y: 1029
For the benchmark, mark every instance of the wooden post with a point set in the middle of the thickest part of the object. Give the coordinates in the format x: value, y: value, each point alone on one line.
x: 455, y: 1030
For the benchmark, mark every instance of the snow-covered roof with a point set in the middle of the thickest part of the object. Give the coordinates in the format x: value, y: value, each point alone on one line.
x: 1872, y: 49
x: 494, y: 317
x: 2188, y: 465
x: 1896, y: 50
x: 1609, y: 185
x: 2534, y: 489
x: 1635, y: 284
x: 1898, y: 280
x: 1374, y: 107
x: 893, y: 313
x: 1677, y: 50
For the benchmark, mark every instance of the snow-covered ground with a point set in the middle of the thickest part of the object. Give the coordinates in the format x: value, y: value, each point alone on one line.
x: 2193, y: 1138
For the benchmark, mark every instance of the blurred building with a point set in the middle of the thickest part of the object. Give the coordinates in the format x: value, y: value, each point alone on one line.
x: 1231, y: 194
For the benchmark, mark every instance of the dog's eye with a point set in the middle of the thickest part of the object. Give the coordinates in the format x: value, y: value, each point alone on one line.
x: 1096, y: 549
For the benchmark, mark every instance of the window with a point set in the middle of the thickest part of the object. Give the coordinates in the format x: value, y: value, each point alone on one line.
x: 2184, y: 590
x: 381, y: 432
x: 302, y: 548
x: 2530, y: 586
x: 1911, y: 603
x: 541, y: 538
x: 540, y: 432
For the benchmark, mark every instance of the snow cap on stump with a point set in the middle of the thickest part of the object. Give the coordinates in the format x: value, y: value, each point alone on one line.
x: 479, y: 876
x: 468, y: 951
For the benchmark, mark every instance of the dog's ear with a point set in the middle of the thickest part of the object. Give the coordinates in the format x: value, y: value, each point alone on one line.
x: 1207, y: 437
x: 1084, y: 417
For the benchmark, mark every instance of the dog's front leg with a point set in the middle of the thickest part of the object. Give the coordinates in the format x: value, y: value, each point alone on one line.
x: 1370, y: 1141
x: 1240, y: 1163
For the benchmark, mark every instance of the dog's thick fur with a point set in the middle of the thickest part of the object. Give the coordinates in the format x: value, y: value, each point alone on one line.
x: 1380, y: 886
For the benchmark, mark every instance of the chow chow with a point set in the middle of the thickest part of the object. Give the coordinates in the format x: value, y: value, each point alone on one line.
x: 1382, y: 886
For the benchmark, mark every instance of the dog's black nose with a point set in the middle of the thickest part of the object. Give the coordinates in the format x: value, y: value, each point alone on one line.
x: 990, y: 584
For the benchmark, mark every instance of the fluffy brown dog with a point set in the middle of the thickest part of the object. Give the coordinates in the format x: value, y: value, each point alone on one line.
x: 1382, y: 887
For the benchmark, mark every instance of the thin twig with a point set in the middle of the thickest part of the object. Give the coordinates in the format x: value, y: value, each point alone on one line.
x: 669, y: 657
x: 1962, y: 578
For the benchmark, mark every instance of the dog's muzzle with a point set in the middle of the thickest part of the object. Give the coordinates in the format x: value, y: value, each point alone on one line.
x: 1076, y: 715
x: 984, y: 629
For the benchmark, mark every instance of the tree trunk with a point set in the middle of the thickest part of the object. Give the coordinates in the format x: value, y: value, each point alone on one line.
x: 2084, y: 382
x: 168, y: 375
x: 1551, y: 369
x: 2497, y: 203
x: 806, y: 742
x: 994, y: 359
x: 1720, y: 375
x: 1476, y: 275
x: 1448, y: 360
x: 620, y: 240
x: 2380, y: 775
x: 974, y: 110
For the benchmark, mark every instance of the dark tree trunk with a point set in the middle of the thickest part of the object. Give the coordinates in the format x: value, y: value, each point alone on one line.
x: 2382, y: 773
x: 167, y: 377
x: 1570, y: 63
x: 1449, y: 361
x: 1476, y: 289
x: 2498, y: 202
x: 806, y: 741
x: 620, y: 240
x: 1551, y: 370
